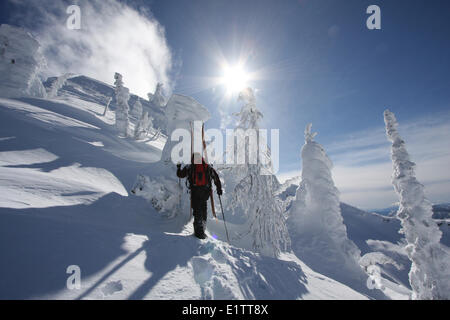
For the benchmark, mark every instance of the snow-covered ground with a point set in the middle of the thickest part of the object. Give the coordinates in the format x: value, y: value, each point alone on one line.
x: 65, y: 178
x: 64, y: 200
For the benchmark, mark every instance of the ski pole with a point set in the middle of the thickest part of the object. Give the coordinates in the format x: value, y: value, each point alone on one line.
x: 223, y: 215
x: 213, y: 208
x: 192, y: 163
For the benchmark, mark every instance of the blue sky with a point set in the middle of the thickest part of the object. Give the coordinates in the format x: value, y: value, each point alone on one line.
x: 315, y: 61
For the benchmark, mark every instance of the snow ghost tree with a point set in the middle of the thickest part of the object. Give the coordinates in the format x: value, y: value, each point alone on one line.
x: 430, y: 270
x: 249, y: 116
x: 122, y: 96
x: 58, y: 84
x: 158, y: 99
x: 318, y: 234
x: 137, y: 109
x: 254, y: 191
x: 255, y: 195
x: 143, y: 126
x: 20, y: 63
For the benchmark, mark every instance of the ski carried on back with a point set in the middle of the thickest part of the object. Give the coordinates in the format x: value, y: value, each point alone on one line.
x: 211, y: 194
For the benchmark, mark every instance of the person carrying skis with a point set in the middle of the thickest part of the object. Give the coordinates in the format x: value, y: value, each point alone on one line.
x: 199, y: 175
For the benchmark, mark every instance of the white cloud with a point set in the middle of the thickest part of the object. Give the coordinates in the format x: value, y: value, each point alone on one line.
x: 113, y: 38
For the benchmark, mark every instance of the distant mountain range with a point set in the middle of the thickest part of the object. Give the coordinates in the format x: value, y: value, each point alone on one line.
x: 440, y: 211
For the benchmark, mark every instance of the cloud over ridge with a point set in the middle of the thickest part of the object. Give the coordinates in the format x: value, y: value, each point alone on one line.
x: 114, y: 37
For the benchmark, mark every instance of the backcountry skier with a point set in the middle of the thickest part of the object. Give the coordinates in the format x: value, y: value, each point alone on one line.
x: 199, y: 175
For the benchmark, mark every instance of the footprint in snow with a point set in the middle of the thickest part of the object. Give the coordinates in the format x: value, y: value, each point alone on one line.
x: 203, y: 270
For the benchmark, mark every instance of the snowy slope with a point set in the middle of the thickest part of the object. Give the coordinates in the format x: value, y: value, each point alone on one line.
x: 64, y: 179
x: 92, y: 90
x: 373, y: 232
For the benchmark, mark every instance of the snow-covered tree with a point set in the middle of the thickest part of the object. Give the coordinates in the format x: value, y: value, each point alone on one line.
x: 164, y: 194
x: 317, y: 229
x: 137, y: 109
x: 158, y: 99
x: 267, y: 225
x: 249, y: 116
x: 143, y: 127
x: 254, y: 192
x: 58, y: 84
x: 430, y: 270
x: 21, y: 63
x: 122, y: 96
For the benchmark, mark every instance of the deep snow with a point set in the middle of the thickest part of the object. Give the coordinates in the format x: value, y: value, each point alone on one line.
x: 64, y: 200
x: 65, y: 178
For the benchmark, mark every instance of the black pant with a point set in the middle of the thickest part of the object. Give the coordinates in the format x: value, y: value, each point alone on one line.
x: 199, y: 197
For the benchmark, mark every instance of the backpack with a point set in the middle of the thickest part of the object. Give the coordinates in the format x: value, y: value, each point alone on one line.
x: 200, y: 175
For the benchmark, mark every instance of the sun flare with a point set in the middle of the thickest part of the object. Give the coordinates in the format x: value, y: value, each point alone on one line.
x: 234, y: 78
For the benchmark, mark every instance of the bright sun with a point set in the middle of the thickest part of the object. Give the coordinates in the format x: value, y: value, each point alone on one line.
x: 235, y: 78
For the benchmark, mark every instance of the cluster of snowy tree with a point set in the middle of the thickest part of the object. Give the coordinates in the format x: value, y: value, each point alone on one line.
x: 319, y: 235
x: 144, y: 125
x: 313, y: 227
x: 21, y: 63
